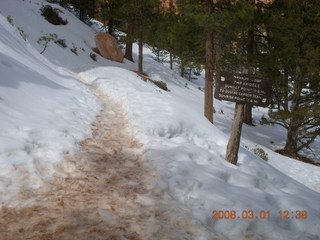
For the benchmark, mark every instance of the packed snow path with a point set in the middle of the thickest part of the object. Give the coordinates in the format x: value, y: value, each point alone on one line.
x: 106, y: 196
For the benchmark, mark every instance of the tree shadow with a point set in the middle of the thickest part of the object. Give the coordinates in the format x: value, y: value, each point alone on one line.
x: 14, y: 73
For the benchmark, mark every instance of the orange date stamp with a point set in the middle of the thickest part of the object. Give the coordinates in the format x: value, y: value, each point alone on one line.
x: 250, y: 214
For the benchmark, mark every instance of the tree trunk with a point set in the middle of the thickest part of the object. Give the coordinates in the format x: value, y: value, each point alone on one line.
x: 182, y: 69
x: 208, y: 95
x: 130, y: 31
x: 140, y: 62
x: 171, y: 61
x: 217, y: 57
x: 81, y: 15
x: 62, y: 3
x: 128, y: 52
x: 110, y: 26
x: 158, y: 55
x: 218, y: 51
x: 286, y: 91
x: 248, y: 108
x: 234, y: 140
x: 248, y: 115
x: 291, y: 146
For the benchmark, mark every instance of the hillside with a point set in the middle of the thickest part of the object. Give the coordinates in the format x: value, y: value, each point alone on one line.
x: 163, y: 170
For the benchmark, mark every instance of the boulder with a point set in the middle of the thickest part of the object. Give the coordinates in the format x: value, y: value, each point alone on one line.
x: 108, y: 47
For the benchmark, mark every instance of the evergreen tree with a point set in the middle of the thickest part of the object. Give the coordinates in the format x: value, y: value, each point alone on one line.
x: 62, y: 3
x: 192, y: 37
x: 294, y: 63
x: 110, y: 14
x: 129, y: 39
x: 161, y: 38
x: 139, y: 16
x: 164, y: 38
x: 145, y: 16
x: 240, y: 27
x: 85, y: 7
x: 184, y: 39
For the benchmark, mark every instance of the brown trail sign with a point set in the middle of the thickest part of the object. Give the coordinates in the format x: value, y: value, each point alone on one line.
x: 241, y: 89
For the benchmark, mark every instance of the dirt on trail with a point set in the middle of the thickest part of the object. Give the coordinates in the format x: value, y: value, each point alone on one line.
x: 108, y: 196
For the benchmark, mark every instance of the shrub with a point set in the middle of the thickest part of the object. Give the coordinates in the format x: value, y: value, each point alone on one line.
x: 263, y: 120
x: 52, y: 15
x: 44, y: 40
x: 74, y: 50
x: 22, y: 34
x: 61, y: 43
x: 93, y: 56
x: 10, y: 20
x: 160, y: 84
x: 261, y: 153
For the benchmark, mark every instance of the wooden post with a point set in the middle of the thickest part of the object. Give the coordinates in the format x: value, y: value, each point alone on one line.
x: 234, y: 140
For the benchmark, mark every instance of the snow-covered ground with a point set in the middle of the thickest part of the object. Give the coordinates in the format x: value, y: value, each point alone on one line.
x: 45, y: 111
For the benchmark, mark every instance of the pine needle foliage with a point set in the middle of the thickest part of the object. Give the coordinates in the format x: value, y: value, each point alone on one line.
x: 294, y: 62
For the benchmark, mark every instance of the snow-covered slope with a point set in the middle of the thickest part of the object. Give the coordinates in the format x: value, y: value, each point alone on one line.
x: 45, y: 111
x: 188, y: 153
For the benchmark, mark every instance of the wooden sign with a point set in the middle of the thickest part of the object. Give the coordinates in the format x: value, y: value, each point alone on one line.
x: 242, y: 88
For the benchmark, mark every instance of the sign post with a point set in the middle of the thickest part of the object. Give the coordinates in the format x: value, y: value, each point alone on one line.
x: 241, y: 89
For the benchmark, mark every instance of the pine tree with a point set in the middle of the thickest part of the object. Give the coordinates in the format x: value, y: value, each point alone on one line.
x: 294, y: 37
x: 191, y: 39
x: 110, y: 14
x: 62, y: 3
x: 87, y: 8
x: 209, y: 65
x: 240, y: 28
x: 238, y: 46
x: 139, y: 17
x: 162, y: 37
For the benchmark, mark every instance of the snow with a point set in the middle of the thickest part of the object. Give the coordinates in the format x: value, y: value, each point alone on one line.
x: 45, y: 111
x: 190, y: 159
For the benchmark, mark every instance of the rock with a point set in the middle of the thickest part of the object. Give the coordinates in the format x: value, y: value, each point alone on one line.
x: 96, y: 50
x: 108, y: 47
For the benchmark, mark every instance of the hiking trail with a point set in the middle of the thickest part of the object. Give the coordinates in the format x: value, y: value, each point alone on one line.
x: 108, y: 194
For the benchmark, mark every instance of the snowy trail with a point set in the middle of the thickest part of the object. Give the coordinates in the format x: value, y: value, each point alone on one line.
x: 106, y: 196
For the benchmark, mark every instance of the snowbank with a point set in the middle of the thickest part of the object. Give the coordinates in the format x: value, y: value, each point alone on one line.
x: 188, y: 152
x: 44, y: 113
